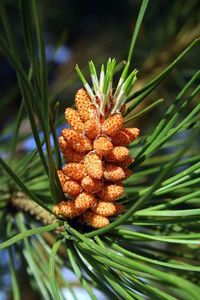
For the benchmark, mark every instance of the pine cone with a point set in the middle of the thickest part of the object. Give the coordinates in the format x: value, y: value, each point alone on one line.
x: 96, y: 161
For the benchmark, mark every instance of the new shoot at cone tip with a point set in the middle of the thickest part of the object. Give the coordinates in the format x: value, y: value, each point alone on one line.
x: 102, y: 89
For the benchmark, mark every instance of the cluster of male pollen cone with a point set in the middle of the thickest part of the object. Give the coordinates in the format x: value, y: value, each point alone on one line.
x: 94, y: 149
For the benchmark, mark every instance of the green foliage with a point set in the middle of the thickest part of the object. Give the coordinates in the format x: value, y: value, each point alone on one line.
x: 153, y: 248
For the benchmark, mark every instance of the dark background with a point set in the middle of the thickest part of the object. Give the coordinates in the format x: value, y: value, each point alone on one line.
x: 77, y: 31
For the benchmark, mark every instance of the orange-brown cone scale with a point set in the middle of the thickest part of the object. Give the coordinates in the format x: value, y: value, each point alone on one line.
x: 132, y: 133
x: 74, y: 119
x: 111, y: 192
x: 118, y: 154
x: 105, y: 209
x: 75, y: 171
x: 84, y: 105
x: 71, y: 155
x: 112, y: 125
x: 63, y: 145
x: 91, y: 185
x: 114, y: 173
x: 76, y: 141
x: 92, y: 128
x: 102, y: 146
x: 72, y: 188
x: 121, y: 138
x: 125, y: 164
x: 66, y: 209
x: 94, y: 220
x: 125, y: 136
x: 62, y: 177
x: 84, y: 201
x: 93, y: 166
x: 96, y: 162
